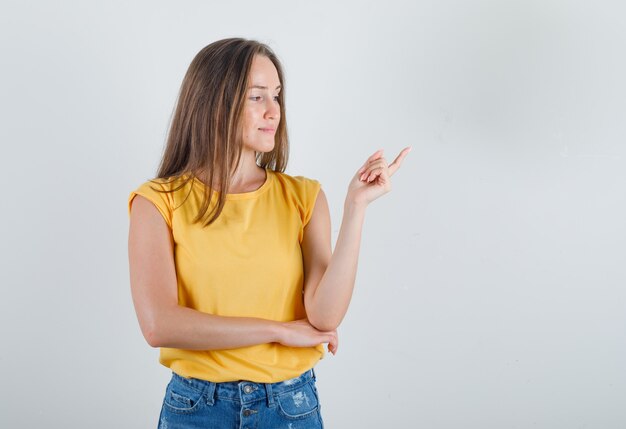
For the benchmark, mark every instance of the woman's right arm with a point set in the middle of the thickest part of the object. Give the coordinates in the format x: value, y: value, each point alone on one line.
x: 164, y: 323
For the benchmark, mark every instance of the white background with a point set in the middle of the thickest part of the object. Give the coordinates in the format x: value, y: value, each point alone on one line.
x: 490, y: 289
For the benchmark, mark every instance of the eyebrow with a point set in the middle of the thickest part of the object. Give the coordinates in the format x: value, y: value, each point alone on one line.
x: 262, y: 87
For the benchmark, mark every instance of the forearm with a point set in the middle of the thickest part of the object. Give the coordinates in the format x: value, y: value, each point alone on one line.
x: 329, y: 304
x: 186, y: 328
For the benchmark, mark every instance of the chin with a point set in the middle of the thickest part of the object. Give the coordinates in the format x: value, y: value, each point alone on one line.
x: 260, y: 143
x: 266, y: 149
x: 261, y: 148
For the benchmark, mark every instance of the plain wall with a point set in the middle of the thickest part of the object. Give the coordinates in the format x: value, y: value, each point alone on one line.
x: 490, y: 289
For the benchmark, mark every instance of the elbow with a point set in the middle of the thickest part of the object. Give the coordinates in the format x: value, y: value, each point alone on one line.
x: 152, y: 333
x: 321, y: 320
x: 152, y: 337
x: 324, y: 324
x: 156, y: 327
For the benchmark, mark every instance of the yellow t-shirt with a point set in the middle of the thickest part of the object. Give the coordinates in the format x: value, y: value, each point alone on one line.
x: 247, y: 263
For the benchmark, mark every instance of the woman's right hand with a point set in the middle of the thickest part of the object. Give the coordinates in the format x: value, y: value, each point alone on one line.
x: 300, y: 333
x: 374, y: 177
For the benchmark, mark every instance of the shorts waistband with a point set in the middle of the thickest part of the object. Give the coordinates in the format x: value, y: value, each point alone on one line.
x: 243, y: 390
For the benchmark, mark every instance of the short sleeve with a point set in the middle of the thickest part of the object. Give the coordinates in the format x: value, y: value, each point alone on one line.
x: 162, y: 200
x: 310, y: 189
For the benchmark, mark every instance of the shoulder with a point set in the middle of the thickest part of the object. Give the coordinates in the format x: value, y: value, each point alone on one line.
x: 302, y: 185
x: 162, y: 192
x: 302, y: 191
x: 168, y: 187
x: 164, y: 183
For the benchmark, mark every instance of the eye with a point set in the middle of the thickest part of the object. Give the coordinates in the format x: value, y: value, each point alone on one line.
x: 257, y: 97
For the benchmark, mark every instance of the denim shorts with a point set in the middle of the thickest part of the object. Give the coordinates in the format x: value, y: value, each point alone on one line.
x: 195, y: 403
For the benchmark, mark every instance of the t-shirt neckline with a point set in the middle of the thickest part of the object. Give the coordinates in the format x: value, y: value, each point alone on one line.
x: 244, y: 195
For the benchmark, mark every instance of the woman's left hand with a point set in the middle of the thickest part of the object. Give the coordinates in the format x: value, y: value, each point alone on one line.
x: 373, y: 178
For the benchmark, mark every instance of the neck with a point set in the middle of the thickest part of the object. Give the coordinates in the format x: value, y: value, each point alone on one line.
x: 247, y: 176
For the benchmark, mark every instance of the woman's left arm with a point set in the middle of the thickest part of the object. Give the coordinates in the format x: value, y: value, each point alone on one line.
x: 329, y: 278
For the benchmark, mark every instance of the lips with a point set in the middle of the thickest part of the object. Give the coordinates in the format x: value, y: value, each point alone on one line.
x: 267, y: 130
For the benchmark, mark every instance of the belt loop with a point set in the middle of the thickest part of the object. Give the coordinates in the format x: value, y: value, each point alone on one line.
x: 210, y: 393
x: 313, y: 374
x: 270, y: 396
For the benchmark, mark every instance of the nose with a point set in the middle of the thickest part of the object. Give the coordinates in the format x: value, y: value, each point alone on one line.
x: 272, y: 110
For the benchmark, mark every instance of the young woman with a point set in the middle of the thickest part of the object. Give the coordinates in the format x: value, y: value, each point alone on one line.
x: 231, y: 269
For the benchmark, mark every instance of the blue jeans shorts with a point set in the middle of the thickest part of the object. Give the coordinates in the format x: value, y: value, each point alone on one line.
x: 195, y: 403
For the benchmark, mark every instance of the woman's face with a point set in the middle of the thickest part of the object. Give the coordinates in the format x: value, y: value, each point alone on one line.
x: 262, y: 110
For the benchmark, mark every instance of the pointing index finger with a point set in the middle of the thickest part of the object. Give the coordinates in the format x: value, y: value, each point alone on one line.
x: 393, y: 167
